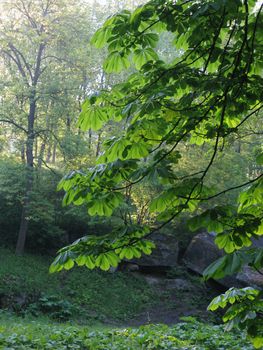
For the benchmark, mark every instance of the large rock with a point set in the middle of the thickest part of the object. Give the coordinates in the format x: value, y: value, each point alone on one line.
x: 250, y: 277
x: 164, y: 255
x: 202, y: 251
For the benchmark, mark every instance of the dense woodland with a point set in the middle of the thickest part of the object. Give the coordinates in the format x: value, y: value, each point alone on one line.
x: 120, y: 121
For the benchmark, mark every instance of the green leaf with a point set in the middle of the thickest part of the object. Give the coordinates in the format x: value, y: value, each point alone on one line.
x: 232, y: 122
x: 257, y: 342
x: 215, y: 226
x: 116, y: 62
x: 100, y: 207
x: 102, y: 262
x: 92, y: 117
x: 149, y: 39
x: 146, y: 246
x: 113, y: 258
x: 90, y: 262
x: 142, y: 56
x: 161, y: 203
x: 226, y: 265
x: 259, y: 230
x: 234, y: 264
x: 259, y: 159
x: 116, y: 150
x: 138, y: 150
x: 55, y: 268
x: 81, y: 260
x: 68, y: 265
x: 101, y: 36
x: 126, y: 253
x: 216, y: 269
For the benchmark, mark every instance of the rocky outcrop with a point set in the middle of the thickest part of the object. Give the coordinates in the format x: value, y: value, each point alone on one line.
x: 202, y: 251
x: 164, y: 255
x: 249, y: 276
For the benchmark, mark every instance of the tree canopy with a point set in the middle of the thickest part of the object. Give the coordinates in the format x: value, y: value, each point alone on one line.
x: 43, y: 49
x: 206, y: 93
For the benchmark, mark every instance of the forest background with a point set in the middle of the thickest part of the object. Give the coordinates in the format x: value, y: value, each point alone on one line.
x: 48, y: 70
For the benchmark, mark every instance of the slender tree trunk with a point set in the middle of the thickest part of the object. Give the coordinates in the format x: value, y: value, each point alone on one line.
x: 68, y: 123
x: 41, y: 155
x: 20, y: 246
x: 49, y: 150
x: 36, y: 148
x: 23, y: 157
x: 90, y: 139
x: 54, y: 152
x: 238, y: 147
x: 98, y: 145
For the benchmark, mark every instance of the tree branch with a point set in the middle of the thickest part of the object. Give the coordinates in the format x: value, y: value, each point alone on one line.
x: 14, y: 123
x: 19, y: 53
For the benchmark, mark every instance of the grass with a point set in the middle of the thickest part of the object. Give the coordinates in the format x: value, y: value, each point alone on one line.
x: 69, y: 310
x: 26, y: 287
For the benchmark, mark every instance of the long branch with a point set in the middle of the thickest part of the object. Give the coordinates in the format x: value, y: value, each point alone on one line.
x: 19, y: 53
x: 203, y: 199
x: 14, y: 123
x: 18, y: 64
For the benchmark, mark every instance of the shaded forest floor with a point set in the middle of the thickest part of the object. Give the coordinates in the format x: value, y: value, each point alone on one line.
x: 84, y: 309
x: 88, y: 297
x: 177, y: 298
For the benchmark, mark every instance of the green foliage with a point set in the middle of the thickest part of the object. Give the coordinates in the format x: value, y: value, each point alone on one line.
x: 53, y: 306
x: 47, y: 229
x: 204, y: 96
x: 189, y: 334
x: 73, y: 147
x: 103, y: 252
x: 12, y: 181
x: 245, y: 304
x: 233, y: 263
x: 86, y: 296
x: 167, y: 104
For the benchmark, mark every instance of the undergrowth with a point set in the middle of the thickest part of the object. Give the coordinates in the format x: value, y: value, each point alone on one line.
x: 187, y: 335
x: 26, y: 287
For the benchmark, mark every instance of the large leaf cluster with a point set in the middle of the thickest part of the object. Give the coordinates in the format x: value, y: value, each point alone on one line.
x: 207, y: 92
x: 245, y: 304
x: 105, y: 251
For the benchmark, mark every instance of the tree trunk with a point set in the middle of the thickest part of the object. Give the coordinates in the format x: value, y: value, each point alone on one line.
x: 90, y: 139
x: 41, y: 155
x: 48, y: 157
x: 23, y: 157
x: 98, y: 145
x: 36, y: 149
x: 20, y: 246
x: 54, y: 152
x: 238, y: 146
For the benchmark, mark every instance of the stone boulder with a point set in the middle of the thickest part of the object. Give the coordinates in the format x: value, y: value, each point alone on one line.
x: 250, y: 277
x: 202, y: 251
x: 165, y: 254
